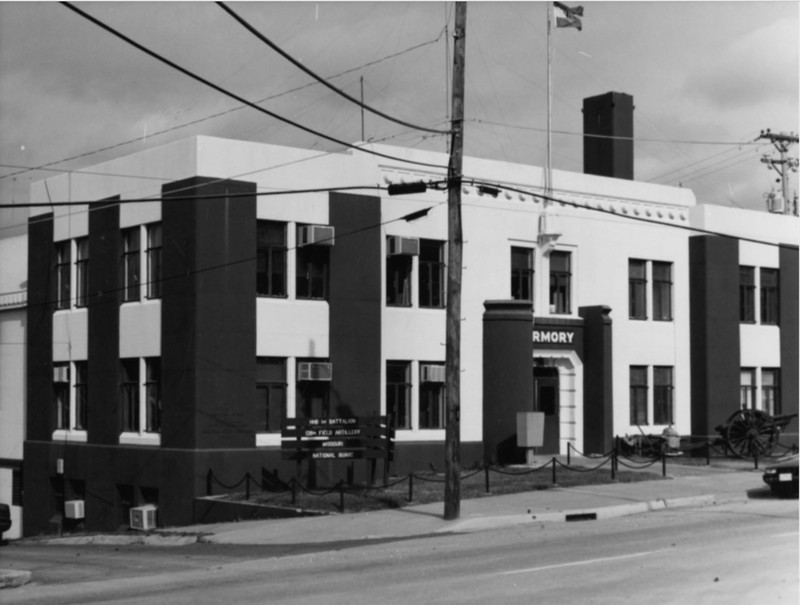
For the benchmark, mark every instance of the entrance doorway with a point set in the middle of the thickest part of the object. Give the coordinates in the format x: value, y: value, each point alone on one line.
x: 546, y: 399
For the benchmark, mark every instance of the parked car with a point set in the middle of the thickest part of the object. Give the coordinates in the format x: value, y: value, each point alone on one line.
x: 782, y: 477
x: 5, y: 520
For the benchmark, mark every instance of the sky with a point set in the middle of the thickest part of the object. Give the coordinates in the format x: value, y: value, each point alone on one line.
x: 706, y: 79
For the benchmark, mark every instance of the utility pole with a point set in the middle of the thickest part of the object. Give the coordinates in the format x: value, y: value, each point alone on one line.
x: 782, y: 143
x: 452, y: 486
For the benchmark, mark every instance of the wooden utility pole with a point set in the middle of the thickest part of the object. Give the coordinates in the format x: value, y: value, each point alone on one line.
x: 452, y: 486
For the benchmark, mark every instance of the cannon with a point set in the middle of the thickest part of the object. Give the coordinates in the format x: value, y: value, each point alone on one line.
x: 752, y: 433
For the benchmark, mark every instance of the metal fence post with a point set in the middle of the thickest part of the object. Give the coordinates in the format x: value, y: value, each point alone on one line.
x: 209, y: 477
x: 410, y: 487
x: 554, y: 470
x: 486, y: 474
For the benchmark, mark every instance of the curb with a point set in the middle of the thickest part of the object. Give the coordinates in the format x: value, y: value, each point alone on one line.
x: 605, y: 512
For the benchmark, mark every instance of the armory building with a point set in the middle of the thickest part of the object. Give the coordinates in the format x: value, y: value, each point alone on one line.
x: 171, y: 337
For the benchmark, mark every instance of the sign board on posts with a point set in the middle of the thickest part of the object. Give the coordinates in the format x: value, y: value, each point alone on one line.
x: 347, y: 438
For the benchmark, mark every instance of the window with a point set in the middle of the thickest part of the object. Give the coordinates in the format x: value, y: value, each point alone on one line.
x: 271, y: 393
x: 152, y: 394
x: 81, y: 272
x: 747, y: 294
x: 130, y: 264
x: 638, y: 395
x: 769, y: 296
x: 662, y: 395
x: 560, y: 278
x: 154, y: 261
x: 521, y: 273
x: 747, y: 389
x: 398, y: 393
x: 662, y: 291
x: 129, y: 395
x: 431, y: 274
x: 770, y: 391
x: 61, y: 395
x: 62, y: 270
x: 313, y: 262
x: 81, y: 394
x: 271, y: 262
x: 313, y: 395
x: 398, y: 280
x: 637, y: 289
x: 431, y: 397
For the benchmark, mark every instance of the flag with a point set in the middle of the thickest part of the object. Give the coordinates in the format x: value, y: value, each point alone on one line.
x: 566, y: 16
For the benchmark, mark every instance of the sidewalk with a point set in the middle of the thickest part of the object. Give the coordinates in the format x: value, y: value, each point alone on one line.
x: 684, y: 487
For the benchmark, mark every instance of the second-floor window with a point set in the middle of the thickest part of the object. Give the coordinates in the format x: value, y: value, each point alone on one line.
x: 271, y: 261
x: 662, y: 291
x: 130, y: 265
x: 747, y: 294
x: 431, y: 274
x: 637, y: 289
x: 398, y: 280
x: 521, y: 273
x: 154, y: 246
x: 769, y: 296
x: 81, y: 271
x: 62, y: 274
x: 313, y: 264
x: 560, y: 282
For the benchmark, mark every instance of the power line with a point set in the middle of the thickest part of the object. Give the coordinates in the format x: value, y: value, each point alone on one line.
x: 232, y: 95
x: 601, y: 136
x: 319, y: 79
x: 137, y: 139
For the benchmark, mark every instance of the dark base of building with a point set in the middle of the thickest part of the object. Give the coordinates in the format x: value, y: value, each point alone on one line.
x: 112, y: 479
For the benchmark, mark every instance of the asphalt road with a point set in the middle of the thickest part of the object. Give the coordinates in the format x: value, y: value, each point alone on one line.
x: 743, y: 553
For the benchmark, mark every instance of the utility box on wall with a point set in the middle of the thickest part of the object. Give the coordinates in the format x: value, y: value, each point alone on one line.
x: 530, y: 429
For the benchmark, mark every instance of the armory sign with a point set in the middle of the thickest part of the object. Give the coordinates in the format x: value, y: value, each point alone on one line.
x: 553, y: 336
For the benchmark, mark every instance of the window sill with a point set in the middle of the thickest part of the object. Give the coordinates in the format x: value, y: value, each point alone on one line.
x: 71, y: 435
x: 268, y: 439
x: 149, y: 439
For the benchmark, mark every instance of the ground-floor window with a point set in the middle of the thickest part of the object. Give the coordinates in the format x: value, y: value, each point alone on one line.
x: 663, y: 411
x: 398, y: 393
x: 432, y: 396
x: 638, y: 395
x: 271, y: 393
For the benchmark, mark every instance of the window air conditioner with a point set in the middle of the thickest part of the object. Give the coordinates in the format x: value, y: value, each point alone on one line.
x: 143, y: 517
x: 432, y: 373
x: 408, y: 246
x: 73, y: 509
x: 314, y: 371
x: 316, y: 234
x: 61, y: 373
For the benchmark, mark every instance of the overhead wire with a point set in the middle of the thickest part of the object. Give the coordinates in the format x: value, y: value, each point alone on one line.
x: 233, y: 95
x: 320, y: 79
x: 137, y: 139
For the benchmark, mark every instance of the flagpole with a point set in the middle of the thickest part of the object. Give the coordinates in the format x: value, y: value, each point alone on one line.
x: 548, y: 185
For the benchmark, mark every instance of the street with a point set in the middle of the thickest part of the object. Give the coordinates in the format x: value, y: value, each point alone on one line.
x: 738, y: 553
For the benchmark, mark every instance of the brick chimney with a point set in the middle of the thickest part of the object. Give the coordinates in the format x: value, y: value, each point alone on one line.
x: 608, y: 115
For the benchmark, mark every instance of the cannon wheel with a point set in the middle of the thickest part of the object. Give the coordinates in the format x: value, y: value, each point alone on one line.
x: 751, y: 433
